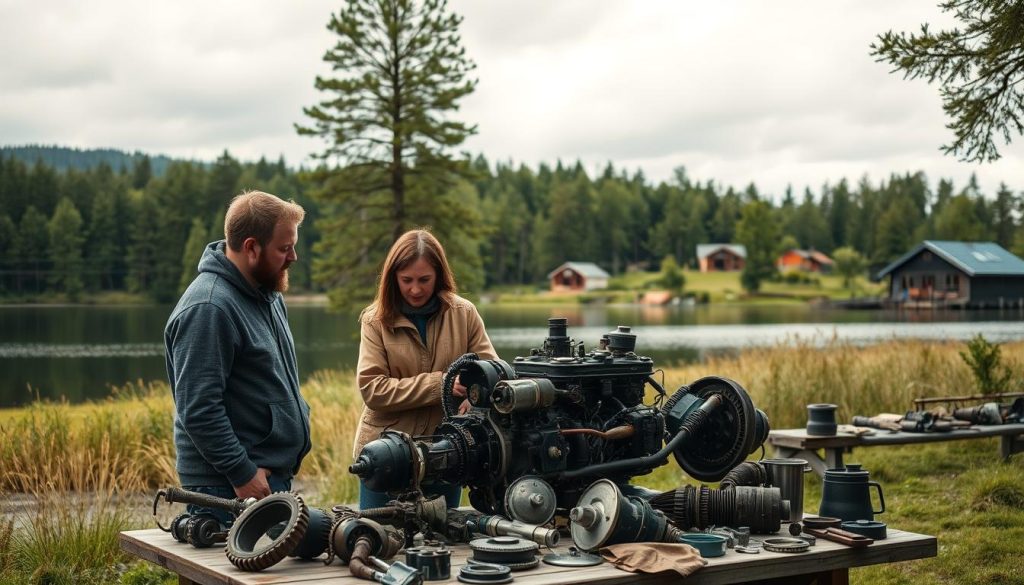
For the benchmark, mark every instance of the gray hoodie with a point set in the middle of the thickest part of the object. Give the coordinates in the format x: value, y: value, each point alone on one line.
x: 232, y: 368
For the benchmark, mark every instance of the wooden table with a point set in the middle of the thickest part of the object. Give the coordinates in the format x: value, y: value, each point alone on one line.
x: 797, y: 443
x: 826, y: 562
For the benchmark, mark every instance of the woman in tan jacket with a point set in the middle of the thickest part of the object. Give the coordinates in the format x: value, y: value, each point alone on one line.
x: 415, y: 328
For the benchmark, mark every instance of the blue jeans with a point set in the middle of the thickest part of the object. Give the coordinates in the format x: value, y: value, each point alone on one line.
x: 277, y: 484
x: 371, y: 499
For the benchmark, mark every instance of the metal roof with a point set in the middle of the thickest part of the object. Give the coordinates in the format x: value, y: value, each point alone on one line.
x: 587, y: 269
x: 705, y: 250
x: 973, y: 258
x: 812, y: 255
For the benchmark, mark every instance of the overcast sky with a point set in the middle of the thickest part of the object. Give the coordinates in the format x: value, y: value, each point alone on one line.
x: 781, y: 92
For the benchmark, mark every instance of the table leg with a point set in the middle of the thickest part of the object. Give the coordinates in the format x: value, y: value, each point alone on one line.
x: 812, y: 458
x: 1010, y: 444
x: 834, y: 577
x: 833, y: 458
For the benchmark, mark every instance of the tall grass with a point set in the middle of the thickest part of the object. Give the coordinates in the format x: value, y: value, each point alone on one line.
x: 73, y: 476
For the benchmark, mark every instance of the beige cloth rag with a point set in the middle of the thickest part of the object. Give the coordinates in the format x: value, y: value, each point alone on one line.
x: 654, y: 557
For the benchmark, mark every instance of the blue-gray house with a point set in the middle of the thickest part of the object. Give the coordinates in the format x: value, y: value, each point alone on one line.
x: 964, y: 274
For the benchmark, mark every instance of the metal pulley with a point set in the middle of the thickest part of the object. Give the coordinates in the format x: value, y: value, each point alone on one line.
x: 725, y: 438
x: 530, y: 500
x: 604, y: 516
x: 514, y: 553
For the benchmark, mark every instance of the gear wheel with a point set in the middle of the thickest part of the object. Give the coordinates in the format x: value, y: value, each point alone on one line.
x: 514, y: 553
x: 244, y: 548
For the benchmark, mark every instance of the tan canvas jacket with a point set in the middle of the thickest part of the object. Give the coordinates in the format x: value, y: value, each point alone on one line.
x: 400, y: 377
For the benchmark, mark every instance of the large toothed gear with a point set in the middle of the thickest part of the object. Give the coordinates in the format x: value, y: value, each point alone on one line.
x: 243, y: 545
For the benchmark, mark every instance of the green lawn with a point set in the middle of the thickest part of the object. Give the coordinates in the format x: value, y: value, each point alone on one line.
x: 716, y: 287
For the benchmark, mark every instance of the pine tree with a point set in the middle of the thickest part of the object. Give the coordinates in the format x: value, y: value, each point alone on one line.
x: 142, y: 172
x: 1003, y: 219
x: 386, y: 119
x: 979, y: 66
x: 177, y: 197
x: 142, y: 251
x: 8, y: 233
x: 31, y: 248
x: 103, y: 253
x: 222, y: 184
x: 198, y: 237
x: 66, y: 240
x: 958, y: 221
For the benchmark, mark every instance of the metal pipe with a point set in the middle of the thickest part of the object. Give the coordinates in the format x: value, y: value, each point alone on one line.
x: 694, y: 421
x: 622, y: 432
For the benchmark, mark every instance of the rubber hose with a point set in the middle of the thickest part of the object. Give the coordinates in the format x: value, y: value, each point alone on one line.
x: 359, y: 564
x: 750, y: 473
x: 448, y: 384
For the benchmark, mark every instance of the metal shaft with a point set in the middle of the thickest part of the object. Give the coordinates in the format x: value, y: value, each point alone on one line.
x: 173, y: 495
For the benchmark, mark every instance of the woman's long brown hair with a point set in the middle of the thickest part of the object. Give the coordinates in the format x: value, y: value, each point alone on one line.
x: 408, y: 248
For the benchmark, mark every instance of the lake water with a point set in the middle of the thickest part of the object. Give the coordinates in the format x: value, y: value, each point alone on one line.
x: 79, y: 352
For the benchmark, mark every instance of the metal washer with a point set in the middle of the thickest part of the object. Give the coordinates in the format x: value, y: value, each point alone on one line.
x: 785, y: 545
x: 574, y: 558
x: 485, y: 573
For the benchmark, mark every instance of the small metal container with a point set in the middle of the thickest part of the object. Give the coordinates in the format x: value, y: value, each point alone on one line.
x: 709, y: 545
x: 868, y: 528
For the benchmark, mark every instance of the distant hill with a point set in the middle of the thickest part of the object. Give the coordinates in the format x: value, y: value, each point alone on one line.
x: 63, y: 158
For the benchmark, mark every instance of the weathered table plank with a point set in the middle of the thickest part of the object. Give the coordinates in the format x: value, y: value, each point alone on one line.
x: 211, y: 567
x: 797, y: 443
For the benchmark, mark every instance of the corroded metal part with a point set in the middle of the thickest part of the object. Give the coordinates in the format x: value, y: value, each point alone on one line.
x: 246, y: 548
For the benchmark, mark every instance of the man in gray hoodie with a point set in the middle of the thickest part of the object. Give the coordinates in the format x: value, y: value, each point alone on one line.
x: 241, y: 427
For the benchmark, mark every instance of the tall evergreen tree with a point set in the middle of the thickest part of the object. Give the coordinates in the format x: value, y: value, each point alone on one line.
x: 142, y: 252
x: 979, y: 66
x: 1003, y: 216
x: 177, y: 197
x: 569, y: 233
x: 758, y: 232
x: 894, y: 233
x: 723, y: 224
x: 104, y: 254
x: 8, y: 233
x: 66, y: 240
x: 42, y: 188
x: 386, y: 118
x: 198, y: 237
x: 142, y: 172
x: 222, y: 184
x: 958, y: 220
x: 31, y: 248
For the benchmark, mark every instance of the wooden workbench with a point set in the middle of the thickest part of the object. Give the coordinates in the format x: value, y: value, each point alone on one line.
x: 797, y: 443
x: 827, y: 562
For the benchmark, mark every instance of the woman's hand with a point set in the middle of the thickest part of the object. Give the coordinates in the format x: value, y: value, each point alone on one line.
x: 458, y: 390
x: 464, y: 407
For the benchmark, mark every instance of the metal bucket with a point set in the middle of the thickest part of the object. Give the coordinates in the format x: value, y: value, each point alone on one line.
x: 788, y: 476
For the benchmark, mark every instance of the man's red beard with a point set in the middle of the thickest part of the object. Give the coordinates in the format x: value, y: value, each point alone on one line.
x: 270, y: 277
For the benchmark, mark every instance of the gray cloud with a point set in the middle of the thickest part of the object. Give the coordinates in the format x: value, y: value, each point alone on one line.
x: 772, y: 93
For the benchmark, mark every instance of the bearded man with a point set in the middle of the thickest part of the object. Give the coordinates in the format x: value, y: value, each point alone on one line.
x: 241, y: 427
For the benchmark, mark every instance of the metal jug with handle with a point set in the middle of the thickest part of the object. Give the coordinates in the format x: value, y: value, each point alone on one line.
x: 846, y: 494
